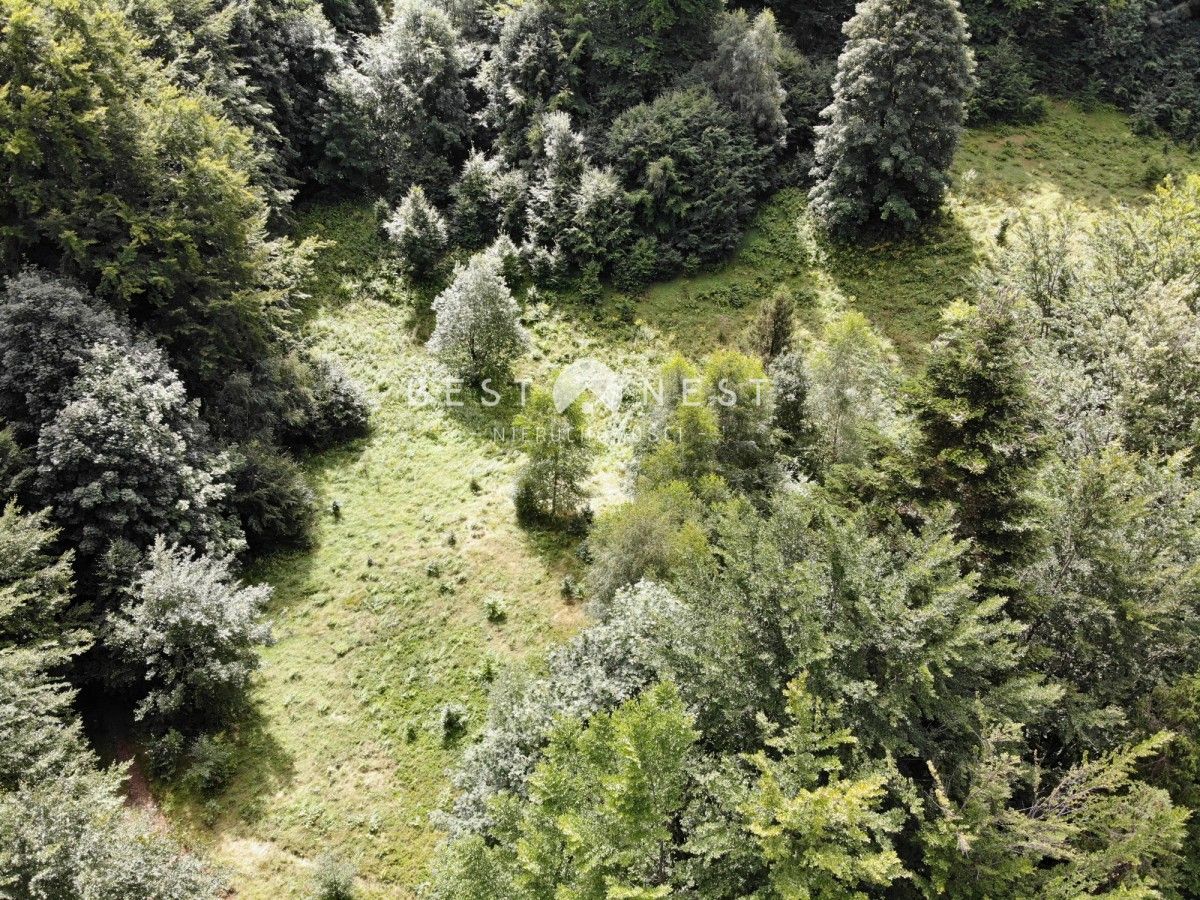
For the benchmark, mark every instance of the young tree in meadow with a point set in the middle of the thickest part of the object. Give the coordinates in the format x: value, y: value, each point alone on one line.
x: 478, y: 332
x: 475, y: 204
x: 418, y: 231
x: 559, y: 453
x: 899, y: 97
x: 771, y: 332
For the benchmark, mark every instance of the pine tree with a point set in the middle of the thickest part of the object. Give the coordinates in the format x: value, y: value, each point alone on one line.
x: 478, y: 333
x: 902, y: 82
x: 418, y: 231
x: 981, y: 435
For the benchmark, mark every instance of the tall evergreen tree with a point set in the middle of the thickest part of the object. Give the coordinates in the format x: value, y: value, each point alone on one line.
x: 897, y: 112
x: 981, y: 437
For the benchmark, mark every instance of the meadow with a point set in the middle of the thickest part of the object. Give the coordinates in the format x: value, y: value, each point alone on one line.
x: 385, y: 621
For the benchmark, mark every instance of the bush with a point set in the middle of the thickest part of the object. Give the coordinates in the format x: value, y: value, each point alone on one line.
x: 692, y: 170
x: 188, y: 636
x: 210, y: 765
x: 272, y: 499
x: 339, y: 410
x: 453, y: 719
x: 495, y: 608
x: 334, y: 880
x: 418, y: 231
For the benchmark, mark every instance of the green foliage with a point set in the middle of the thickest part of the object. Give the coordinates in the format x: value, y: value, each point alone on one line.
x: 819, y: 833
x: 649, y: 537
x: 981, y: 436
x: 1005, y: 89
x: 418, y: 231
x: 693, y: 172
x: 143, y: 190
x: 399, y: 116
x: 739, y: 394
x: 1094, y: 831
x: 334, y: 880
x: 770, y: 334
x: 744, y: 72
x: 125, y: 460
x: 600, y: 812
x: 532, y: 70
x: 188, y: 636
x: 72, y: 837
x: 630, y: 51
x: 478, y: 334
x: 47, y: 327
x: 558, y: 456
x: 903, y: 79
x: 272, y: 500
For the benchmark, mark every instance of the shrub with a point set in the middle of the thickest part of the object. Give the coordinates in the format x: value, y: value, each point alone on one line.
x: 418, y: 231
x: 495, y: 608
x: 334, y: 879
x: 188, y: 636
x: 771, y: 332
x: 453, y: 719
x: 692, y: 172
x: 272, y: 499
x: 338, y: 411
x: 210, y: 765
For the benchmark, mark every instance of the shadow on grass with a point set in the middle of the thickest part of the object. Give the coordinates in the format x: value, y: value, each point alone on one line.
x: 902, y: 285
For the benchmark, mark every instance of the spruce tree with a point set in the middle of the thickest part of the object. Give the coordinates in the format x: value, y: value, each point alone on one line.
x: 418, y: 231
x: 981, y: 435
x: 897, y: 112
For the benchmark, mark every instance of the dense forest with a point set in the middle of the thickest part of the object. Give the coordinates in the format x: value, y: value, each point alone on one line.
x: 594, y: 449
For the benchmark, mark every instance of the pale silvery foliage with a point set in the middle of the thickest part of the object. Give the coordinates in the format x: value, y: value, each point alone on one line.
x: 72, y: 837
x: 554, y: 190
x: 191, y: 631
x: 418, y: 231
x: 898, y: 108
x: 527, y: 73
x: 852, y: 375
x: 47, y: 326
x: 406, y: 92
x: 126, y: 458
x: 1113, y: 336
x: 478, y: 332
x: 599, y: 669
x: 744, y: 72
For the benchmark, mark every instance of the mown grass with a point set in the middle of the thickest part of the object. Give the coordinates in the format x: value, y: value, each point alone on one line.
x: 384, y: 621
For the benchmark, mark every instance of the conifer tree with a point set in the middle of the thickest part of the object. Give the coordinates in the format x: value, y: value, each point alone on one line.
x: 981, y: 435
x: 744, y: 72
x: 897, y: 112
x: 418, y: 231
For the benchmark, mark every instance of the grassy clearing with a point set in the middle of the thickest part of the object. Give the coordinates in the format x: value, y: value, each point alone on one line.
x: 384, y: 621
